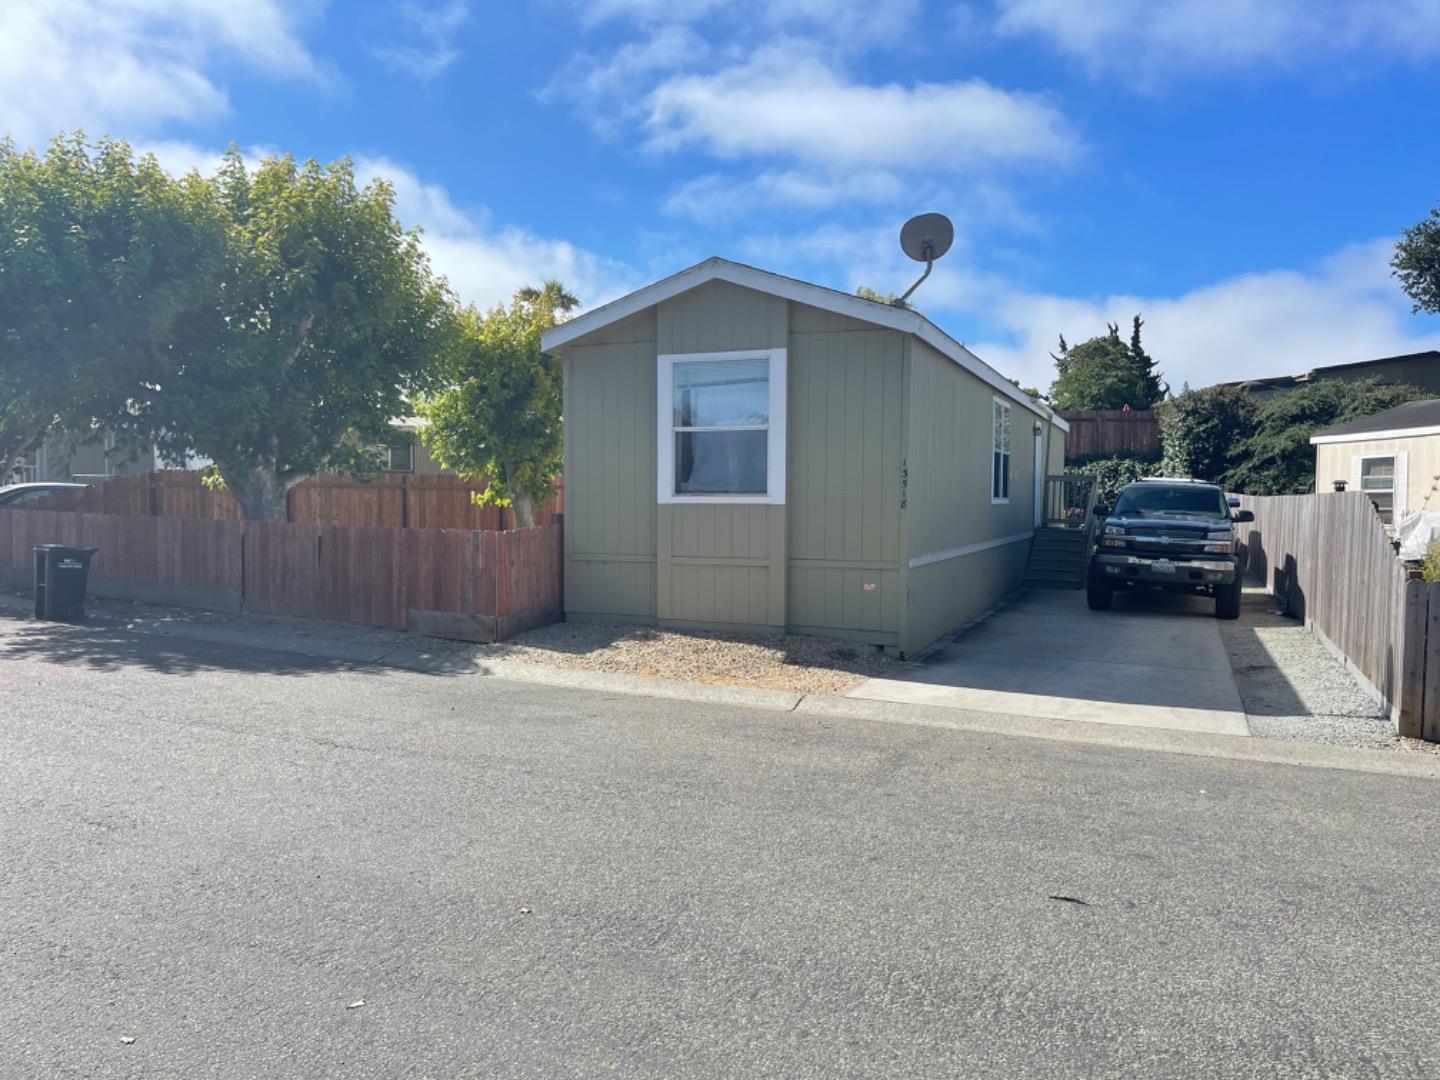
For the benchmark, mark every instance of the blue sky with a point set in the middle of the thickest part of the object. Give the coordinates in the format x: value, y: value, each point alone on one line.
x: 1234, y: 170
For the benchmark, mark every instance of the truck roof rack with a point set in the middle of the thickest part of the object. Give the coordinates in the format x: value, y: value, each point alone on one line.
x: 1179, y: 480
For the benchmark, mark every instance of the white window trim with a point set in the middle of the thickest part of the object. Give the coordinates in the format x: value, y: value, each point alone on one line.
x: 1397, y: 497
x: 775, y: 441
x: 1009, y: 454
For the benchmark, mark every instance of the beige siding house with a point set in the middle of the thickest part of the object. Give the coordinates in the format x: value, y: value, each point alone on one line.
x: 1393, y: 456
x: 746, y: 451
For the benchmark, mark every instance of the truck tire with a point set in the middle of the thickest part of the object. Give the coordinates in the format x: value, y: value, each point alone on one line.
x: 1227, y: 600
x: 1098, y: 593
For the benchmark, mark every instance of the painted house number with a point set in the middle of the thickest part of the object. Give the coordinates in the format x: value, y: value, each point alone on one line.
x: 904, y: 483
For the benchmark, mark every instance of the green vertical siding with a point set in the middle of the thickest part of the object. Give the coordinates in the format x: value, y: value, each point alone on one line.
x: 719, y: 317
x: 948, y: 460
x: 846, y: 409
x: 610, y: 517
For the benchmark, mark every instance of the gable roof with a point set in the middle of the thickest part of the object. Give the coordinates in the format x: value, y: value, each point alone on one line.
x: 717, y: 269
x: 1285, y: 382
x: 1404, y: 421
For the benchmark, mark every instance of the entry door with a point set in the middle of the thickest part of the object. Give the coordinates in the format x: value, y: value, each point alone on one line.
x: 1039, y: 477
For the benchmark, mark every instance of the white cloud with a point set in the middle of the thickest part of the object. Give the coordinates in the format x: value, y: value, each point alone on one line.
x: 779, y: 105
x: 129, y: 65
x: 863, y: 23
x: 716, y: 199
x: 1268, y: 323
x: 486, y: 263
x: 422, y: 38
x: 1151, y: 39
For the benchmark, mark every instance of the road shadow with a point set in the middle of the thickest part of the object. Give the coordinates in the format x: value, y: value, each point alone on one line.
x: 1260, y: 676
x: 112, y: 646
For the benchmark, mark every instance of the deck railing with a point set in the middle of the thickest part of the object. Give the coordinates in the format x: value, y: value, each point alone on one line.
x: 1069, y: 501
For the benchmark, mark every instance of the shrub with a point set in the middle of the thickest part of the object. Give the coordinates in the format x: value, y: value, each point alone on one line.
x: 1430, y: 569
x: 1278, y: 458
x: 1113, y: 473
x: 1202, y: 431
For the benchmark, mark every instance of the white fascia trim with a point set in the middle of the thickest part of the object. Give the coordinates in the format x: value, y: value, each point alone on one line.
x: 802, y: 292
x: 968, y: 549
x: 1374, y: 436
x: 775, y: 443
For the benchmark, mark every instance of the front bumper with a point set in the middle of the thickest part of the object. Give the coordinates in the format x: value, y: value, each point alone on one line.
x: 1151, y: 569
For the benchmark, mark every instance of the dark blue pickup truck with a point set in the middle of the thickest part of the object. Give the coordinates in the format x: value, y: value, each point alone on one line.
x: 1171, y: 534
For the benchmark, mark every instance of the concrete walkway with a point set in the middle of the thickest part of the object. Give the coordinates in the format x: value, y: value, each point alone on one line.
x: 1155, y: 660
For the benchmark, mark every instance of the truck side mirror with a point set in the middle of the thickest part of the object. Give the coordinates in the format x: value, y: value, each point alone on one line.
x: 1242, y: 516
x: 1101, y: 510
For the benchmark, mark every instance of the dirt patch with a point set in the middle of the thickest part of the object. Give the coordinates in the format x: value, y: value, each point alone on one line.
x: 798, y: 663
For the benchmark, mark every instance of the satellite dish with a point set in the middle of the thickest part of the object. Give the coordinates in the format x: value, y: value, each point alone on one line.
x: 925, y: 237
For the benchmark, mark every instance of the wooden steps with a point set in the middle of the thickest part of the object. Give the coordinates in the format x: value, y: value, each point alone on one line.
x: 1058, y: 559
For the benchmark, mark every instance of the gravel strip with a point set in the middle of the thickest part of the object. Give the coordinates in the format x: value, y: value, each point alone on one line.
x: 1293, y: 688
x: 802, y: 664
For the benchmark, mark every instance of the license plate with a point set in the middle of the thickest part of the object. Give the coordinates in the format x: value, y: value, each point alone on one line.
x: 1163, y: 566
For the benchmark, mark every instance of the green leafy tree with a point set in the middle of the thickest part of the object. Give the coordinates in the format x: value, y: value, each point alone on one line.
x: 1416, y: 263
x: 1106, y: 373
x: 101, y: 256
x: 1202, y: 431
x: 498, y: 416
x: 1278, y: 458
x: 323, y: 321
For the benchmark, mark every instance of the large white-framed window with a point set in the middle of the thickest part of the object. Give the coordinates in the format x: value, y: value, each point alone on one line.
x: 721, y: 435
x: 999, y: 451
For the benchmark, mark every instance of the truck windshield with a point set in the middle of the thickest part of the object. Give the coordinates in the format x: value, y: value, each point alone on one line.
x: 1160, y: 500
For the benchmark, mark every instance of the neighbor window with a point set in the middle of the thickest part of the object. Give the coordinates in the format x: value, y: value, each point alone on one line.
x: 999, y: 452
x: 400, y: 457
x: 722, y: 434
x: 1377, y: 479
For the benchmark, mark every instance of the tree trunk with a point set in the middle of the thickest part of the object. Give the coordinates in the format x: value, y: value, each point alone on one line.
x: 523, y: 507
x: 260, y: 493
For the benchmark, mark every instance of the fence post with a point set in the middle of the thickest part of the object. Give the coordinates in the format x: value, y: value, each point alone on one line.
x: 1412, y: 669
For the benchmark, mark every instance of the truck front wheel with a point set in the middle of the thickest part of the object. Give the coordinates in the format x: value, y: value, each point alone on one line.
x: 1098, y: 593
x: 1227, y: 600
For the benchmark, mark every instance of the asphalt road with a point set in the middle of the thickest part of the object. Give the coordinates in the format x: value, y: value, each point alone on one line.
x: 216, y: 851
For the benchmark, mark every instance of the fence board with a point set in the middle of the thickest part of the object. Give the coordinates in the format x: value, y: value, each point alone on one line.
x: 394, y: 501
x: 1102, y: 432
x: 371, y: 575
x: 1328, y: 557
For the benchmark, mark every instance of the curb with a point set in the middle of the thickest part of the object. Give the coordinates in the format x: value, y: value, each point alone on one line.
x: 283, y: 638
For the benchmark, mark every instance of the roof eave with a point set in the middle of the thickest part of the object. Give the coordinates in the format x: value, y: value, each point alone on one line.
x: 715, y: 268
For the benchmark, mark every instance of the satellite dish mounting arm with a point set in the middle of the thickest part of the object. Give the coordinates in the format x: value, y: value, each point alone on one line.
x: 899, y: 301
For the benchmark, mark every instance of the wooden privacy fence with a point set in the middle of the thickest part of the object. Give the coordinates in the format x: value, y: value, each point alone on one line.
x: 400, y: 501
x: 1102, y: 432
x: 474, y: 585
x: 1328, y: 558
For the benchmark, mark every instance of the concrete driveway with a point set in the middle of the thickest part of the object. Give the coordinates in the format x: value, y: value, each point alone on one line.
x: 1155, y: 660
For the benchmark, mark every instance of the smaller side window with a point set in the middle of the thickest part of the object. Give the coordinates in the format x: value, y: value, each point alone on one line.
x: 999, y: 452
x: 400, y: 457
x: 1377, y: 479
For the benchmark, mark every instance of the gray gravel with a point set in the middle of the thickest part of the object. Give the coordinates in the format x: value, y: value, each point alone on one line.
x: 1294, y: 688
x: 796, y: 662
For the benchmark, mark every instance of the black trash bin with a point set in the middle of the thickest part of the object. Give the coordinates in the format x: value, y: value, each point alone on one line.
x: 61, y: 575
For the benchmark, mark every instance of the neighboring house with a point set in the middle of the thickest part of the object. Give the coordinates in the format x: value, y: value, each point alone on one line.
x: 407, y: 454
x: 1393, y: 456
x: 1420, y: 369
x: 746, y: 451
x: 99, y: 459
